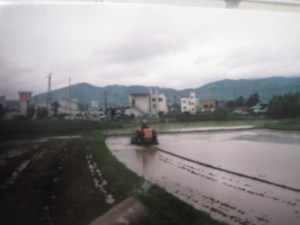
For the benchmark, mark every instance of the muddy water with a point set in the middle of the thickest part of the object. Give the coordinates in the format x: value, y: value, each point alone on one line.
x: 266, y: 155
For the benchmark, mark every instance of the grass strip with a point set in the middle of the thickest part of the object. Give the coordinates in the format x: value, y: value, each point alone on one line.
x: 287, y: 124
x: 121, y: 180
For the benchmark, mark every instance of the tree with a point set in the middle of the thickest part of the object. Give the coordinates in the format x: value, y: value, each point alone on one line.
x: 31, y: 112
x: 253, y: 100
x: 286, y: 106
x: 82, y: 107
x: 240, y: 101
x: 42, y: 112
x: 230, y: 104
x: 55, y: 106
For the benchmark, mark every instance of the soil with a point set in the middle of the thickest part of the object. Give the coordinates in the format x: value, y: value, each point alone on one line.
x: 50, y: 183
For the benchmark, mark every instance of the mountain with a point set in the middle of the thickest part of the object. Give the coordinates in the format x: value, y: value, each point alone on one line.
x: 266, y: 88
x: 220, y: 90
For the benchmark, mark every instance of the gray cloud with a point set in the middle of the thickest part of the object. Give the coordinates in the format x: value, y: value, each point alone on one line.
x: 154, y: 45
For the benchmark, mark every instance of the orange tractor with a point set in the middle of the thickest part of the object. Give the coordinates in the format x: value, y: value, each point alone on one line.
x: 144, y: 135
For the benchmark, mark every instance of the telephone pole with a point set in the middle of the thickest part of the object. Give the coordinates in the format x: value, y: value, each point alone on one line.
x: 70, y: 104
x: 105, y: 101
x: 49, y: 95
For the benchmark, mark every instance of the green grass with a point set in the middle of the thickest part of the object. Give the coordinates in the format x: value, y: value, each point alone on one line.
x: 122, y: 180
x: 287, y: 124
x: 43, y: 127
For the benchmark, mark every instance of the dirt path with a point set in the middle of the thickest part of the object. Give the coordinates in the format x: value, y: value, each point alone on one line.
x: 54, y: 182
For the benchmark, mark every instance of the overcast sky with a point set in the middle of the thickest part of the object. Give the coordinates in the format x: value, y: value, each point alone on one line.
x: 154, y: 45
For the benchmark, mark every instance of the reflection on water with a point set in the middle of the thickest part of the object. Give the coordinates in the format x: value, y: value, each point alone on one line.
x: 227, y: 197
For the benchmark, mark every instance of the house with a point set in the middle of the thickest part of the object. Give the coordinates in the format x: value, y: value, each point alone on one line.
x: 70, y: 107
x: 241, y: 111
x: 147, y: 105
x: 208, y: 105
x: 158, y: 105
x: 190, y: 103
x: 259, y: 108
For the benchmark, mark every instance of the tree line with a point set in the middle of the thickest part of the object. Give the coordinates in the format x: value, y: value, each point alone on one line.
x: 279, y: 107
x: 241, y: 101
x: 286, y: 106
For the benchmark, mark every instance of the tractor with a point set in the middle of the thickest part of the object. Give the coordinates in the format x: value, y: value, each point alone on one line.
x: 144, y: 135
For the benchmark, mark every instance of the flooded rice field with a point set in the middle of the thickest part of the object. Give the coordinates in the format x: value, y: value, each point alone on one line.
x: 241, y: 177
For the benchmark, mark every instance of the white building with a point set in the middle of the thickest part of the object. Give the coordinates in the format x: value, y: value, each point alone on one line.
x: 94, y: 105
x: 68, y: 107
x: 190, y: 103
x: 159, y: 104
x: 147, y: 105
x: 94, y: 108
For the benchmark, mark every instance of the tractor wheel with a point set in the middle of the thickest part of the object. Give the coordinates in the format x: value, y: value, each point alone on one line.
x: 155, y: 138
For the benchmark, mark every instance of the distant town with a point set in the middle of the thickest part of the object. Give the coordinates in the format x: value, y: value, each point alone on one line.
x: 275, y: 97
x: 152, y: 105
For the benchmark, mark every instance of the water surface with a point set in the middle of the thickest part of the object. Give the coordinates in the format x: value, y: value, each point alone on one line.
x: 267, y: 155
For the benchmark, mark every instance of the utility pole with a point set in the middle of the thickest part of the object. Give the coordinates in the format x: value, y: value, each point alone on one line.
x: 157, y: 103
x: 105, y: 100
x: 49, y: 95
x: 70, y: 104
x: 105, y: 105
x: 174, y: 98
x: 150, y: 101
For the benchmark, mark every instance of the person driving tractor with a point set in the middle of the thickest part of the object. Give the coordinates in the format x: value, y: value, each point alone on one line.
x: 144, y: 124
x: 144, y: 135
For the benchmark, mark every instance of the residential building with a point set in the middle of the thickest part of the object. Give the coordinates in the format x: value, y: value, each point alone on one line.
x: 190, y: 103
x: 147, y: 105
x: 158, y: 105
x: 66, y: 107
x: 94, y: 105
x: 208, y: 105
x: 70, y: 107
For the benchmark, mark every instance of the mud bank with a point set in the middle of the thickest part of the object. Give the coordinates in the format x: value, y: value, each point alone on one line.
x: 130, y: 212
